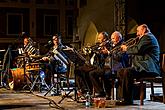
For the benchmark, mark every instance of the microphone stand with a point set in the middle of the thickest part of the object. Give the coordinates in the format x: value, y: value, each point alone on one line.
x: 6, y: 67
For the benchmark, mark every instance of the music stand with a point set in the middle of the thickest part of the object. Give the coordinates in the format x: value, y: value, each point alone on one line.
x: 76, y: 58
x: 56, y: 84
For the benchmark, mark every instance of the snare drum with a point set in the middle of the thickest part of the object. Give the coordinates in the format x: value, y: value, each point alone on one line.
x: 33, y: 67
x: 17, y: 79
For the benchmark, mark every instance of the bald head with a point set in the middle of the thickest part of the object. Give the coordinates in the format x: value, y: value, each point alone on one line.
x: 142, y: 30
x: 116, y: 37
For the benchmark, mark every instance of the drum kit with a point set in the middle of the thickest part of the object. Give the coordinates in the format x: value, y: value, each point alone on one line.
x: 27, y: 67
x: 21, y: 75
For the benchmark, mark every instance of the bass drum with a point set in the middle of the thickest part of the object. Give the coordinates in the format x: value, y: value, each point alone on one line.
x: 17, y: 79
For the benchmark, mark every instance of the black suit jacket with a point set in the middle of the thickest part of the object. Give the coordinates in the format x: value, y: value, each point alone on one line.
x: 146, y: 54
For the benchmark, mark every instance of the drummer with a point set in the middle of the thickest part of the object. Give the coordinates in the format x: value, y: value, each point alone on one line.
x: 25, y: 51
x: 25, y: 43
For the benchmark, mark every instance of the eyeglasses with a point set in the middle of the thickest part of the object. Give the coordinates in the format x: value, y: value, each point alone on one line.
x: 55, y: 38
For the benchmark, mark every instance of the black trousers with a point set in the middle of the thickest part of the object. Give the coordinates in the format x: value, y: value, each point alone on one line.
x: 100, y: 79
x: 82, y: 78
x: 126, y: 78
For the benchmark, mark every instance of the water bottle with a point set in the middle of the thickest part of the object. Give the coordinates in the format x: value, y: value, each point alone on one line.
x: 88, y: 100
x: 42, y: 76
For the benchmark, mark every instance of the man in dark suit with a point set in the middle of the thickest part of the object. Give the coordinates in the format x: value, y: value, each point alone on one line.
x: 145, y: 63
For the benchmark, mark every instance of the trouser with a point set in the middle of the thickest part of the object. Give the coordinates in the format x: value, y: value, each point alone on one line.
x: 95, y: 76
x: 82, y: 78
x: 98, y: 78
x: 126, y: 78
x: 107, y: 79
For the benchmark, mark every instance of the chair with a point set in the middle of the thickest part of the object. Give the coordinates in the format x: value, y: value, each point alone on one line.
x: 56, y: 80
x: 163, y: 76
x: 70, y: 75
x: 152, y: 80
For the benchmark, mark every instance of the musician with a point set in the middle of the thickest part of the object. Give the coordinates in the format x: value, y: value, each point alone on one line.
x: 57, y: 60
x: 99, y: 71
x: 52, y: 57
x: 82, y: 73
x: 145, y: 63
x: 117, y: 60
x: 113, y: 61
x: 25, y: 43
x: 22, y: 54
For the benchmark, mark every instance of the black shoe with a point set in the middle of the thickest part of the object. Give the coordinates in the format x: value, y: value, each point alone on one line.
x: 108, y: 97
x: 99, y: 95
x: 118, y: 102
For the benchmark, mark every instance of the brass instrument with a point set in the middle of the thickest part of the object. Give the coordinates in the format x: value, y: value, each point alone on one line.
x: 131, y: 41
x: 95, y: 48
x: 128, y: 43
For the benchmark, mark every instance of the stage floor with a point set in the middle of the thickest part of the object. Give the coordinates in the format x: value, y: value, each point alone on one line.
x: 25, y: 100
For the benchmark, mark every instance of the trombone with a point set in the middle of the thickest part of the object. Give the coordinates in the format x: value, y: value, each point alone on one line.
x: 128, y: 43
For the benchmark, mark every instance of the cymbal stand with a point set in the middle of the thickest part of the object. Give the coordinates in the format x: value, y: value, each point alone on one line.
x: 2, y: 76
x: 6, y: 68
x: 26, y: 78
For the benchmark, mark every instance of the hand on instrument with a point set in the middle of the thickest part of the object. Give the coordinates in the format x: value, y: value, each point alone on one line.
x: 104, y: 51
x: 45, y: 58
x: 123, y: 48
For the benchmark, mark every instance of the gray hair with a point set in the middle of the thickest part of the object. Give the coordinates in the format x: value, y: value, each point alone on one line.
x: 119, y: 34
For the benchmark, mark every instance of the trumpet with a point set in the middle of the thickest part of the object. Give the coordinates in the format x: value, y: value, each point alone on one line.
x: 97, y: 47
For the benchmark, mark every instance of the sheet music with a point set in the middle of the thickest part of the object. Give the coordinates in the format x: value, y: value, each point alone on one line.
x: 59, y: 57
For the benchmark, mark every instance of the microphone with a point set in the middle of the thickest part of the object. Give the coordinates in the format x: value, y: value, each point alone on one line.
x: 23, y: 33
x: 48, y: 44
